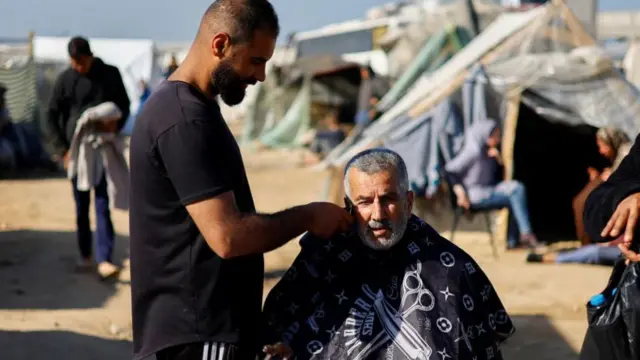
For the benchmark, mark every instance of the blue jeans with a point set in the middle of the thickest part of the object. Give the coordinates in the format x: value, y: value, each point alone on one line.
x: 511, y: 194
x: 104, y: 226
x: 362, y: 118
x: 590, y: 254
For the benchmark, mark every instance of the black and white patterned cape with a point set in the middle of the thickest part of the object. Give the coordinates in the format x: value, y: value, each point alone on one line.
x: 423, y: 299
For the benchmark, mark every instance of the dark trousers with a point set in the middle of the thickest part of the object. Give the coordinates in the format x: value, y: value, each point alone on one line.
x: 104, y: 226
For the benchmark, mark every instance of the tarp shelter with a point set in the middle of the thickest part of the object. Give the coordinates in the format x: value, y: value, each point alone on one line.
x: 436, y: 51
x: 18, y: 75
x: 133, y: 57
x: 555, y: 88
x: 292, y: 101
x: 401, y: 44
x: 631, y: 63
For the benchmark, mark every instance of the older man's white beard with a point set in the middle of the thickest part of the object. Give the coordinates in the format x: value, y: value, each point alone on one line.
x: 397, y: 232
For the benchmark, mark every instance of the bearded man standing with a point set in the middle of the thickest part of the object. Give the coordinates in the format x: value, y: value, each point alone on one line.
x: 391, y: 289
x: 196, y: 240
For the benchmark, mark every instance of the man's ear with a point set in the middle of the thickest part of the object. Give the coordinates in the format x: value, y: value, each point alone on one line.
x: 220, y: 44
x: 410, y: 198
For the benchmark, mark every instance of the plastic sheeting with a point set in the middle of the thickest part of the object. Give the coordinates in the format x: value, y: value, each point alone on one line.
x: 295, y: 123
x: 631, y: 64
x: 565, y: 78
x: 433, y: 54
x: 500, y: 30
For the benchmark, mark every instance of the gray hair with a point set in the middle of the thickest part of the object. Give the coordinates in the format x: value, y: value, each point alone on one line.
x: 377, y: 160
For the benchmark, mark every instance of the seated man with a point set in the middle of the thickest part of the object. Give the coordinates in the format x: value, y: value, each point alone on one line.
x: 393, y: 288
x: 473, y: 172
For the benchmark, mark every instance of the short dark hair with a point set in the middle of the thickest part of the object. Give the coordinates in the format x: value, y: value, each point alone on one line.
x: 79, y: 47
x: 241, y: 18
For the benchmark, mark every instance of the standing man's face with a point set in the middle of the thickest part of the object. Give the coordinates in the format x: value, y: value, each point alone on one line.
x: 82, y: 64
x: 381, y: 211
x: 240, y: 65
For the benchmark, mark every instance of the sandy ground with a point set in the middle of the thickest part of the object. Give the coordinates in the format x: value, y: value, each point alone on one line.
x: 48, y: 311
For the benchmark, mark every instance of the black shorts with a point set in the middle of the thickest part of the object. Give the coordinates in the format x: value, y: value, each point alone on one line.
x: 204, y: 351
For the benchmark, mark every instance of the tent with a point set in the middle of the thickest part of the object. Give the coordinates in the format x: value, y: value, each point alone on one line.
x: 277, y: 94
x: 436, y: 51
x: 401, y: 44
x: 296, y: 96
x: 18, y: 75
x: 552, y: 88
x: 631, y: 63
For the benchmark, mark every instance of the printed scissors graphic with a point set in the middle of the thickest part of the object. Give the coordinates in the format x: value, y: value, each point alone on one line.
x: 412, y: 285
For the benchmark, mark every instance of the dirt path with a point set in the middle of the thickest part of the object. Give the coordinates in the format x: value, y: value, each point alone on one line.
x: 47, y: 311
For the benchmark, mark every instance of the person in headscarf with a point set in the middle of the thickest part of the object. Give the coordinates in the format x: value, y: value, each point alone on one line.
x: 475, y: 176
x: 391, y: 288
x: 613, y: 145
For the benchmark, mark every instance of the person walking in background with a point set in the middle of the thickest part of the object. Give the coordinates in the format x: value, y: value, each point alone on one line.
x: 145, y: 91
x: 86, y: 83
x: 197, y: 242
x: 173, y: 66
x: 368, y: 96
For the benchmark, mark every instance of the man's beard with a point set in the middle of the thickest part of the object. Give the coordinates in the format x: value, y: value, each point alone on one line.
x: 397, y: 232
x: 229, y: 84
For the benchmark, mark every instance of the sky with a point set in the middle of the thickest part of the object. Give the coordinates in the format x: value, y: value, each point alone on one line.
x: 164, y: 20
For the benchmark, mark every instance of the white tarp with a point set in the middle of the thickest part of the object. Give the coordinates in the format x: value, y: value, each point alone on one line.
x: 501, y: 29
x: 631, y: 64
x: 134, y: 58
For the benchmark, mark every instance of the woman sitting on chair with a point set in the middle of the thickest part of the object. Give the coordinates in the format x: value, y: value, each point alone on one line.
x: 476, y: 183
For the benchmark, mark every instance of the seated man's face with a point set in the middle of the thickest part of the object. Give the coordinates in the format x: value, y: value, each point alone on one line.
x: 381, y: 211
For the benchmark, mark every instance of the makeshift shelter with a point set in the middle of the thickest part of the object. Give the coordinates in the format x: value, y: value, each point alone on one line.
x: 631, y: 63
x: 401, y: 44
x: 18, y: 75
x: 436, y: 51
x: 548, y: 85
x: 297, y: 96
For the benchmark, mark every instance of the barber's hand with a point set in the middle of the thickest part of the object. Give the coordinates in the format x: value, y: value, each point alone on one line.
x: 593, y: 173
x: 328, y: 219
x: 493, y: 152
x: 605, y: 174
x: 624, y: 220
x: 279, y: 349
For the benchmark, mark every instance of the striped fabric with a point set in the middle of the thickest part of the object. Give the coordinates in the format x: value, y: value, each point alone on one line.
x: 217, y: 351
x: 21, y: 96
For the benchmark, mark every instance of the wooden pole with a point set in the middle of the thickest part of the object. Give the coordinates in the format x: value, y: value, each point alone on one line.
x: 508, y: 145
x: 30, y: 38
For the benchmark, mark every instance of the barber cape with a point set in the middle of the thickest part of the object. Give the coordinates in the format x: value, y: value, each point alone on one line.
x: 425, y: 298
x: 92, y: 153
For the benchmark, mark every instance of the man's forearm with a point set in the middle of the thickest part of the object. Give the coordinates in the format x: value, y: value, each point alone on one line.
x: 260, y: 233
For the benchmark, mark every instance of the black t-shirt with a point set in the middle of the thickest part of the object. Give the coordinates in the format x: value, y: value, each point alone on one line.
x: 183, y: 152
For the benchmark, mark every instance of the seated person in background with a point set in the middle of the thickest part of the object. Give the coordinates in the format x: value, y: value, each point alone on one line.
x: 474, y: 173
x: 325, y: 140
x: 391, y: 288
x: 595, y: 254
x: 614, y: 145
